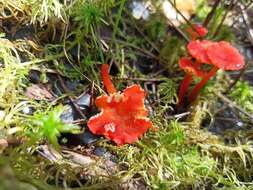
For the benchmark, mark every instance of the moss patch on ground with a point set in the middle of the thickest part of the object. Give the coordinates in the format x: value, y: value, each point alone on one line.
x: 50, y: 54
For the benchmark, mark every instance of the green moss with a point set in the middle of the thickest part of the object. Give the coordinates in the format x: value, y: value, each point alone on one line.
x: 243, y: 95
x: 166, y: 160
x: 87, y: 14
x: 44, y: 10
x: 49, y: 126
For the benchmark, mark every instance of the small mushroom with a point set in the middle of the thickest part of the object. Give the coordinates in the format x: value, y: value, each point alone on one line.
x: 222, y: 56
x: 123, y: 117
x: 219, y: 54
x: 191, y: 69
x: 196, y: 31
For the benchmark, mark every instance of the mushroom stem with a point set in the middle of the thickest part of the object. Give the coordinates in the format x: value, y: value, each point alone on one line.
x: 183, y: 89
x: 107, y: 80
x: 197, y: 88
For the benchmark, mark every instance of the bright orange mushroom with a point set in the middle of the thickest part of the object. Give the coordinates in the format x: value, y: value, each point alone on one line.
x: 196, y: 31
x: 219, y: 54
x: 191, y: 69
x: 222, y: 56
x: 123, y: 117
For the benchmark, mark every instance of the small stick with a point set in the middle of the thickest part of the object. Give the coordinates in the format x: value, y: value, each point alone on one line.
x: 232, y: 3
x: 178, y: 116
x: 250, y: 36
x: 179, y: 31
x: 70, y: 98
x: 211, y: 13
x: 235, y: 81
x: 179, y: 12
x: 247, y: 23
x: 186, y: 20
x: 79, y: 121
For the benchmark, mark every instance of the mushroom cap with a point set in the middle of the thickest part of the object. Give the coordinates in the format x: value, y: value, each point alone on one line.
x: 197, y: 49
x: 225, y: 56
x: 202, y: 31
x: 123, y: 117
x: 188, y: 66
x: 197, y: 30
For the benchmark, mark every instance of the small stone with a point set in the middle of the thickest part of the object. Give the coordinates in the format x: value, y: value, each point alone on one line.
x: 83, y: 101
x: 239, y: 124
x: 28, y: 110
x: 68, y: 114
x: 87, y: 138
x: 34, y: 77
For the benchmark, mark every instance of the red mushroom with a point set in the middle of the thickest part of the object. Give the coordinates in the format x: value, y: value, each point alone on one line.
x: 191, y: 69
x: 107, y: 80
x: 197, y: 50
x: 123, y: 117
x: 196, y: 31
x: 222, y: 56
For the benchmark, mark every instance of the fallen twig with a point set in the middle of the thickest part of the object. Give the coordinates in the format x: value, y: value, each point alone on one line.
x: 236, y: 80
x: 211, y: 13
x: 231, y: 6
x: 70, y: 98
x: 178, y: 116
x: 232, y: 104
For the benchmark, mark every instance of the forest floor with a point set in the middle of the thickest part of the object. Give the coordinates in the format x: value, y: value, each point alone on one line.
x: 51, y: 52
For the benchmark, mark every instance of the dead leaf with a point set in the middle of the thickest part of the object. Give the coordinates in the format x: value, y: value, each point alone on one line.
x: 93, y: 165
x: 39, y: 92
